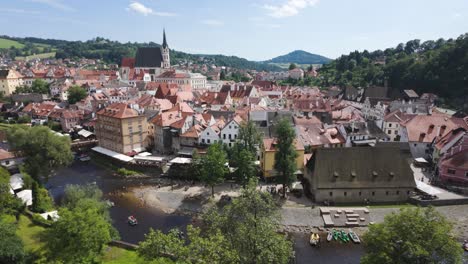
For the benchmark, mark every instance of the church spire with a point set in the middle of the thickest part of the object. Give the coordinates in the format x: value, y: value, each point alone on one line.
x: 164, y: 45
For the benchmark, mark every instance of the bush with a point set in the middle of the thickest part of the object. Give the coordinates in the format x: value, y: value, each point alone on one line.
x: 125, y: 172
x: 24, y: 119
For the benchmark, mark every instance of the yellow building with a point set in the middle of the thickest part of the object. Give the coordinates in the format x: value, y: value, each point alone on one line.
x: 9, y: 81
x: 267, y: 157
x: 121, y: 129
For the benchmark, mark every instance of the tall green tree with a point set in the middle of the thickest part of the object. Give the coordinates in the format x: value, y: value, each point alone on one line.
x: 249, y: 137
x: 285, y: 156
x: 196, y: 248
x: 214, y: 166
x: 79, y: 236
x: 250, y: 225
x: 412, y: 236
x: 41, y: 200
x: 292, y: 66
x: 243, y: 160
x: 11, y: 246
x: 43, y: 150
x: 76, y: 94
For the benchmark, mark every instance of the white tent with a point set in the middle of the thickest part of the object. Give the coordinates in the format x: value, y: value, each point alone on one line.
x: 16, y: 181
x: 25, y: 196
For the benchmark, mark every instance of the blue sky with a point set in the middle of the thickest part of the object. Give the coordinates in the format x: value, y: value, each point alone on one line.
x: 253, y: 29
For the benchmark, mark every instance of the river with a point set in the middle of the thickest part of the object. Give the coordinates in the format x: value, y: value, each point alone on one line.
x: 88, y: 173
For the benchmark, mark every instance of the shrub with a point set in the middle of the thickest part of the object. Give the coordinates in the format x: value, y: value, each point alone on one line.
x: 125, y: 172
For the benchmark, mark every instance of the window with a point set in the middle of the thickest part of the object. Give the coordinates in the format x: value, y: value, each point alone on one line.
x: 397, y: 192
x: 208, y: 141
x: 224, y: 136
x: 331, y: 194
x: 360, y: 193
x: 389, y: 132
x: 407, y: 192
x: 415, y: 144
x: 208, y: 133
x: 373, y: 193
x: 203, y: 140
x: 466, y: 174
x: 390, y: 125
x: 451, y: 171
x: 386, y: 193
x: 345, y: 194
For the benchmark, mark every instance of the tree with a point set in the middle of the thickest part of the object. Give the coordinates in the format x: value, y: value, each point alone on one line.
x: 41, y: 199
x: 212, y: 248
x: 11, y: 246
x: 214, y: 166
x: 222, y: 75
x: 285, y: 156
x: 43, y: 150
x: 9, y: 204
x: 412, y: 236
x: 249, y: 137
x: 40, y: 86
x: 24, y: 119
x: 250, y: 225
x: 79, y: 235
x: 292, y: 66
x: 76, y: 94
x: 242, y: 159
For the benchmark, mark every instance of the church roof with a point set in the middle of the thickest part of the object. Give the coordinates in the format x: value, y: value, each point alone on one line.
x: 148, y: 57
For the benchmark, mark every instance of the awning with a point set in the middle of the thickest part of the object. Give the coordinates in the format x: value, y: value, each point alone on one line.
x: 85, y: 133
x: 186, y: 151
x: 113, y: 154
x: 144, y: 154
x: 421, y: 160
x: 16, y: 181
x: 149, y: 158
x: 138, y: 150
x: 25, y: 196
x: 180, y: 160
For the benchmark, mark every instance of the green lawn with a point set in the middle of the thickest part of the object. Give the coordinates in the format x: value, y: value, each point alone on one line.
x: 7, y: 43
x: 37, y: 56
x: 115, y: 255
x: 30, y: 234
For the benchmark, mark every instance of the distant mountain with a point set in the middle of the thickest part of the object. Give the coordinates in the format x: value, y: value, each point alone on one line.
x: 300, y: 57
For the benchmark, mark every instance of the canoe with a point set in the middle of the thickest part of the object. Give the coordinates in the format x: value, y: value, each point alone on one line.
x: 354, y: 237
x: 314, y: 239
x: 330, y: 236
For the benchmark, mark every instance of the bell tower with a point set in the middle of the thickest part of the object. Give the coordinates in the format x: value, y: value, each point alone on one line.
x: 165, y: 52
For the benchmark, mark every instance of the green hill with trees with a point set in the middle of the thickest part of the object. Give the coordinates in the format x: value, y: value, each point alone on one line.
x: 300, y: 57
x: 439, y: 67
x: 113, y: 52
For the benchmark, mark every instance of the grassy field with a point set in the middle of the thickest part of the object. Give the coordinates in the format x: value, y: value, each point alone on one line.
x: 37, y: 56
x: 7, y: 43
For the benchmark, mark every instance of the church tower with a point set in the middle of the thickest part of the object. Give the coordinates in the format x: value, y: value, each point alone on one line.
x: 165, y: 52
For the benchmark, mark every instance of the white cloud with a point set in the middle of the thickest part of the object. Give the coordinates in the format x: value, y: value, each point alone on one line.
x: 144, y: 10
x: 18, y: 11
x: 290, y: 8
x: 212, y: 22
x: 266, y: 25
x: 55, y: 4
x: 457, y: 16
x: 140, y: 8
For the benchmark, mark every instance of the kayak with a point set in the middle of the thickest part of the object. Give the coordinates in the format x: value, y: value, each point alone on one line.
x: 344, y: 237
x: 314, y: 239
x: 354, y: 237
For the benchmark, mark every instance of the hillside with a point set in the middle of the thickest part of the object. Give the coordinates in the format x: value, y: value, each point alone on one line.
x: 300, y: 57
x: 7, y: 43
x: 113, y: 52
x: 439, y: 67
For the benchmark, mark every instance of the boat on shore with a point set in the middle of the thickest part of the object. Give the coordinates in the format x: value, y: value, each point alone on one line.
x: 354, y: 237
x: 330, y: 235
x: 314, y: 239
x: 132, y: 221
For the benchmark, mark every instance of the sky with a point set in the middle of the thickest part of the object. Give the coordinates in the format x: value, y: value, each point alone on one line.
x: 252, y: 29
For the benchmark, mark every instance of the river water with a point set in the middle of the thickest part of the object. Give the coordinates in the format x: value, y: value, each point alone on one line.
x: 88, y: 173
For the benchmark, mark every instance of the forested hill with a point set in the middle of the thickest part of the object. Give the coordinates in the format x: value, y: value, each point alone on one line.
x: 439, y: 67
x: 114, y: 51
x: 300, y: 57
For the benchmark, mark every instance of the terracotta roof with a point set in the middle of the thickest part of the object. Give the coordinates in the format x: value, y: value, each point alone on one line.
x: 194, y: 132
x: 270, y: 144
x: 167, y: 118
x: 458, y: 160
x: 425, y: 128
x: 128, y: 62
x: 118, y: 110
x: 4, y: 154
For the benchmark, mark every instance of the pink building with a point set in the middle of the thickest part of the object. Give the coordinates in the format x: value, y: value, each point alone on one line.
x: 453, y: 165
